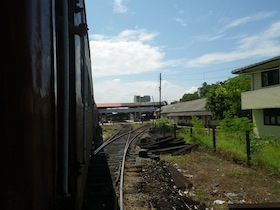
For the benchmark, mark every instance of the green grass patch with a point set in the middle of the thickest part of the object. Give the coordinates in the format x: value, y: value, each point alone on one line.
x: 238, y: 174
x: 175, y: 159
x: 109, y: 129
x: 232, y: 146
x: 275, y: 189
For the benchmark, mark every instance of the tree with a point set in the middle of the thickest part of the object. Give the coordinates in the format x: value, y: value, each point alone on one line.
x: 174, y: 102
x: 225, y: 98
x: 189, y: 97
x: 205, y: 88
x: 235, y: 87
x: 217, y: 101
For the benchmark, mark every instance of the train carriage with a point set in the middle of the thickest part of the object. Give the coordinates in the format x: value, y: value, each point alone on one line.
x: 48, y: 109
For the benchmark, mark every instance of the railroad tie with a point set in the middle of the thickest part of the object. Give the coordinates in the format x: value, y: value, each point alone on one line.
x: 180, y: 181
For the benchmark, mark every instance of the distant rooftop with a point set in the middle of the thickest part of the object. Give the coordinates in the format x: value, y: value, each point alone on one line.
x: 252, y: 67
x: 136, y: 104
x: 188, y: 108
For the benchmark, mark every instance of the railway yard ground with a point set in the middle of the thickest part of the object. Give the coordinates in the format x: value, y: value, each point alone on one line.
x: 215, y: 182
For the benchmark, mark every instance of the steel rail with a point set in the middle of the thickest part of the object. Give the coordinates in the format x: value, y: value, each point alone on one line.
x: 115, y: 134
x: 128, y: 142
x: 110, y: 140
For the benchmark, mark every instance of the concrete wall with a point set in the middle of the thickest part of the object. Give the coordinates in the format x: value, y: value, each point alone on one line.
x: 268, y: 97
x: 262, y: 130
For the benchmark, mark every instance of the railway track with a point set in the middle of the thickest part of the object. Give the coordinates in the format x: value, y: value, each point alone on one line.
x: 105, y: 182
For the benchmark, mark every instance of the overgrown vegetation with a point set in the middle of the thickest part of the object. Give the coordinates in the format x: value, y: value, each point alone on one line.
x: 223, y: 98
x: 235, y: 123
x: 224, y: 101
x: 231, y: 143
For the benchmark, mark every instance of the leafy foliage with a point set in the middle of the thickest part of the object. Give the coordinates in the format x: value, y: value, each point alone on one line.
x: 197, y: 123
x: 205, y: 88
x: 200, y: 93
x: 189, y: 97
x: 257, y: 144
x: 162, y: 121
x: 232, y: 124
x: 218, y: 101
x: 174, y: 102
x: 164, y: 125
x: 225, y: 98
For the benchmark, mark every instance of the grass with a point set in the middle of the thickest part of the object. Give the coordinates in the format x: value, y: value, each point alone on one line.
x: 109, y: 129
x: 232, y: 146
x: 275, y: 189
x: 268, y: 156
x: 175, y: 159
x: 238, y: 174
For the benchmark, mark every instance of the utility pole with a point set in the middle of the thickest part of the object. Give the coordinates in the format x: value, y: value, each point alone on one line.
x: 159, y: 94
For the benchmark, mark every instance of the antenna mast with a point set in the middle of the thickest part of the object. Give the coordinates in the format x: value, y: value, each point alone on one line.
x: 159, y: 94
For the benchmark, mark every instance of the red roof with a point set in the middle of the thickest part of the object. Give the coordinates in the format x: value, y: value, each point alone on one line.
x: 107, y: 105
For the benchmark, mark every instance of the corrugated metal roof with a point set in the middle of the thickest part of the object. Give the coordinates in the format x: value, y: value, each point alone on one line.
x: 198, y: 113
x: 195, y: 106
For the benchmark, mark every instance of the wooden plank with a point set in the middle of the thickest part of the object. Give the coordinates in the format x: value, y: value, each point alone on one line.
x: 163, y: 137
x: 166, y: 149
x: 180, y: 181
x: 184, y: 149
x: 155, y: 144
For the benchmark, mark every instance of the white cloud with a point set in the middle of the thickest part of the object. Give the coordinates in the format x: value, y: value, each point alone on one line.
x: 209, y: 38
x: 247, y: 19
x: 183, y: 22
x: 263, y: 44
x: 108, y: 91
x: 119, y: 7
x: 131, y: 52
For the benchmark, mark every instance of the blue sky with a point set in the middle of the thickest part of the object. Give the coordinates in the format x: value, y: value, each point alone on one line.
x: 188, y: 42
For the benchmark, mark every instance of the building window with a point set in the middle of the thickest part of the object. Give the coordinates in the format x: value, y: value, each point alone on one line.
x: 270, y: 77
x: 271, y: 116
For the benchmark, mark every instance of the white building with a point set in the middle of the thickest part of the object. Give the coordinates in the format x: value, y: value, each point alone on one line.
x: 264, y: 97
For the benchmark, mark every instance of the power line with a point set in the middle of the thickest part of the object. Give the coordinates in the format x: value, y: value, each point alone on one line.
x: 206, y: 72
x: 202, y: 79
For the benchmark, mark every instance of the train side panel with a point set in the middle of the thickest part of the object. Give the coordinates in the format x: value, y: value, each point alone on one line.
x: 84, y: 107
x: 27, y: 141
x: 32, y: 90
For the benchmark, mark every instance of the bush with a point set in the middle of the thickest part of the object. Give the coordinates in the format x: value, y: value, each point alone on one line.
x: 198, y: 127
x: 197, y: 123
x: 163, y: 124
x: 233, y: 124
x: 162, y: 121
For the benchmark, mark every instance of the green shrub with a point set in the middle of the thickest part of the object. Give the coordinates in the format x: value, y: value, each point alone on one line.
x: 162, y: 121
x: 163, y: 124
x: 232, y: 146
x: 233, y: 124
x: 197, y: 123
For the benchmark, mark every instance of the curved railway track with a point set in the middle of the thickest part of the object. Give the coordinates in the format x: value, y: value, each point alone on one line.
x: 105, y: 183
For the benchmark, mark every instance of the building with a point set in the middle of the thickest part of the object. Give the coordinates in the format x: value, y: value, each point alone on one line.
x: 142, y: 99
x: 138, y: 111
x: 182, y: 113
x: 264, y: 97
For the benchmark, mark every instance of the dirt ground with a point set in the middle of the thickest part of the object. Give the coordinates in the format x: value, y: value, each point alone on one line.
x: 217, y: 182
